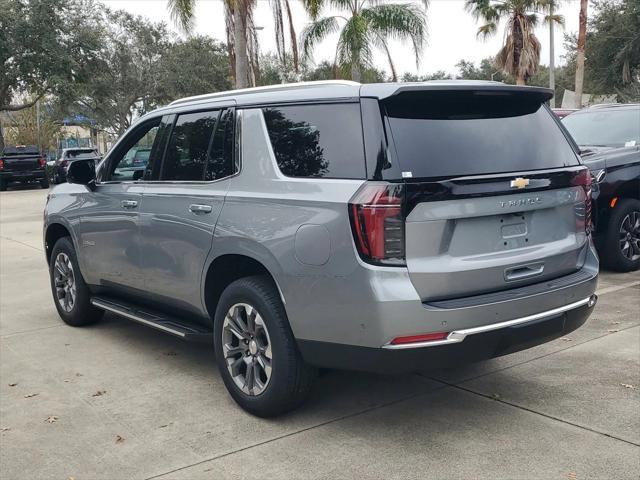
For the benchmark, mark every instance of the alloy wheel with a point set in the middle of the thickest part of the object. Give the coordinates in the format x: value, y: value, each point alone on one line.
x: 630, y: 236
x: 65, y: 282
x: 246, y: 347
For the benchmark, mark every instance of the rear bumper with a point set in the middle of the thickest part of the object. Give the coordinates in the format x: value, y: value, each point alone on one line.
x: 490, y: 341
x: 22, y: 176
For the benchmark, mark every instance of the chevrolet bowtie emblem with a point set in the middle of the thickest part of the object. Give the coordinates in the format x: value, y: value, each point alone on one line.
x: 519, y: 182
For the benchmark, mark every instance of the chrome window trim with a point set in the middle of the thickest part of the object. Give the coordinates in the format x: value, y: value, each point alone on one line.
x: 458, y: 336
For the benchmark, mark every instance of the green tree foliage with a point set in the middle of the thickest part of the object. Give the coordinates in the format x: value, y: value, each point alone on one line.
x: 368, y: 26
x: 612, y: 49
x: 193, y: 67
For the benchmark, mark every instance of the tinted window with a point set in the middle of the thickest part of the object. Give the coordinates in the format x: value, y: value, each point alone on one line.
x: 457, y: 134
x: 605, y: 128
x: 186, y: 155
x: 220, y: 163
x: 122, y: 162
x: 317, y: 140
x: 78, y: 154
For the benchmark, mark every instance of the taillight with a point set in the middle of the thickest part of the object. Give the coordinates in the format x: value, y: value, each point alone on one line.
x: 378, y: 223
x: 1, y: 164
x: 42, y: 162
x: 583, y: 179
x: 426, y: 337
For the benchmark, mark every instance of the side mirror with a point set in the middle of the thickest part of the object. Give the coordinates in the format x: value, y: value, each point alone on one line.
x: 82, y: 172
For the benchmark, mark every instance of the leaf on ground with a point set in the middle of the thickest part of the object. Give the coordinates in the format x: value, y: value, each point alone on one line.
x: 171, y: 354
x: 615, y: 323
x: 99, y: 393
x: 567, y: 339
x: 628, y: 385
x: 13, y: 384
x: 5, y: 429
x: 165, y: 425
x: 51, y: 419
x: 119, y: 439
x: 29, y: 395
x: 613, y: 330
x: 495, y: 395
x: 79, y: 375
x: 572, y: 476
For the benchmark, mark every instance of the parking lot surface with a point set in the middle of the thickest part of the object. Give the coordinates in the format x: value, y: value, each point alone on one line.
x: 119, y: 400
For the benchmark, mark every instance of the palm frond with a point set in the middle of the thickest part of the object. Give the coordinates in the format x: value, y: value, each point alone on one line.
x: 182, y: 13
x: 354, y: 44
x: 317, y: 31
x: 402, y: 22
x: 487, y: 30
x: 313, y: 7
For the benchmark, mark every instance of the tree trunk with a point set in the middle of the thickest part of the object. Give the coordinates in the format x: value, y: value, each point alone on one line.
x: 240, y: 46
x: 521, y: 81
x: 582, y: 36
x: 356, y: 75
x: 1, y: 139
x: 552, y: 60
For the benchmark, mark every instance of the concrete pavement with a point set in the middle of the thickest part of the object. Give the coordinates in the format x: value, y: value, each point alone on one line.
x: 129, y: 402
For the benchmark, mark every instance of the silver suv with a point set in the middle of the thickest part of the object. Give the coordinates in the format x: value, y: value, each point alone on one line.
x: 387, y: 227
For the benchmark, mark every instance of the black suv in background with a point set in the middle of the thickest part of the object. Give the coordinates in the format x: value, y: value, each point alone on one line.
x: 22, y: 163
x: 609, y: 140
x: 69, y: 155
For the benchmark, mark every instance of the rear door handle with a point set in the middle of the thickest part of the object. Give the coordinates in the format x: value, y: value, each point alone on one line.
x: 129, y: 204
x: 200, y: 209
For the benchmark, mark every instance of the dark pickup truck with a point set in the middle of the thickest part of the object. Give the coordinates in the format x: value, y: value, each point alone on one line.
x: 609, y: 141
x: 22, y: 163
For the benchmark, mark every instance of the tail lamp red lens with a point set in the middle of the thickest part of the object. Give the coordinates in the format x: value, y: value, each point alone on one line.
x: 42, y: 162
x: 583, y: 179
x: 378, y: 223
x: 426, y: 337
x: 1, y: 164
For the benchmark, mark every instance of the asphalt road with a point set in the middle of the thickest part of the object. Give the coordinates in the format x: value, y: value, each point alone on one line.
x: 125, y: 401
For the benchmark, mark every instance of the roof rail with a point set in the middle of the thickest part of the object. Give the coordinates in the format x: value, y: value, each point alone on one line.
x: 268, y: 88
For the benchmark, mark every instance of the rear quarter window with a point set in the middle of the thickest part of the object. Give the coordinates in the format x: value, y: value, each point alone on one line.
x: 458, y: 134
x: 317, y: 140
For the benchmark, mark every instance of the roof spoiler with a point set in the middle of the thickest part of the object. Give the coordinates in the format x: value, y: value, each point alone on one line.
x: 388, y: 91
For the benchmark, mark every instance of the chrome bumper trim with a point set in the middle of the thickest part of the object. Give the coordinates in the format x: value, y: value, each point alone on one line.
x: 458, y: 336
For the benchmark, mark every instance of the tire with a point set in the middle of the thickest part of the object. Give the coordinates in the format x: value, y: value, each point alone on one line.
x: 3, y: 186
x: 290, y: 378
x: 618, y: 253
x: 44, y: 183
x: 78, y: 312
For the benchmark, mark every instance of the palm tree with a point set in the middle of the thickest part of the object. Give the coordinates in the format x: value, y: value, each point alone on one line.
x: 242, y: 41
x: 582, y: 38
x: 368, y: 25
x: 520, y: 54
x: 280, y: 8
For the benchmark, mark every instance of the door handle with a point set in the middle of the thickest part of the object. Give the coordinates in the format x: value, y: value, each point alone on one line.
x: 524, y: 271
x: 129, y: 204
x: 200, y: 209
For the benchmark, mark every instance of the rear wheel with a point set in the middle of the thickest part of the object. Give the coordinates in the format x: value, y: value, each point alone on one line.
x: 622, y: 240
x: 71, y: 295
x: 44, y: 183
x: 3, y: 185
x: 255, y: 350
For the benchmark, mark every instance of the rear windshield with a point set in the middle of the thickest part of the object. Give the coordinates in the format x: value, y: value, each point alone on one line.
x: 445, y: 134
x: 16, y: 151
x: 608, y: 128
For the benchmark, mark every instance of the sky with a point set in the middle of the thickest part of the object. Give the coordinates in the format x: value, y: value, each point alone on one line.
x: 452, y: 32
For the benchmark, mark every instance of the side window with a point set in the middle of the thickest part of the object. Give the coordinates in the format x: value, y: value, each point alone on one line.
x: 220, y: 163
x: 130, y: 161
x: 317, y: 140
x: 152, y: 172
x: 187, y: 151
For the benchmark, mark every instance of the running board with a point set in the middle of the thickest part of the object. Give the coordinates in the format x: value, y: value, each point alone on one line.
x: 188, y: 331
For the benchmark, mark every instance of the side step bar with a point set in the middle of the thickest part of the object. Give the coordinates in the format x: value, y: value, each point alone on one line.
x: 184, y: 329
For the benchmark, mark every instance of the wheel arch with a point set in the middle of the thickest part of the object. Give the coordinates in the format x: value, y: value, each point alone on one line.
x: 227, y: 268
x: 54, y: 232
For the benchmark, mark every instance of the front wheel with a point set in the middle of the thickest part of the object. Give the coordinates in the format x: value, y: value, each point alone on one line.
x: 255, y: 349
x: 622, y: 241
x: 71, y: 295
